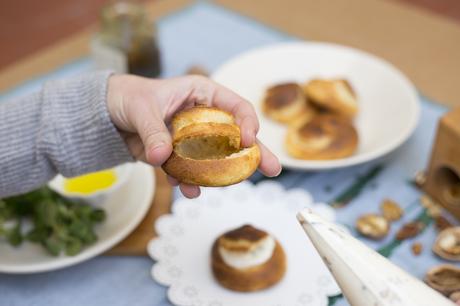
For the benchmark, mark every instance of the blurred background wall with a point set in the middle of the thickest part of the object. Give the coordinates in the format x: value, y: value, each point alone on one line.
x: 29, y: 25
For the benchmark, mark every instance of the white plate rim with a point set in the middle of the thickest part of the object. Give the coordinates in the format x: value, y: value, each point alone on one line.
x: 298, y: 164
x: 102, y: 245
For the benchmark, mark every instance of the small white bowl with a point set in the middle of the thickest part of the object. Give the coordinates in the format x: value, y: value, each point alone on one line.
x: 122, y: 172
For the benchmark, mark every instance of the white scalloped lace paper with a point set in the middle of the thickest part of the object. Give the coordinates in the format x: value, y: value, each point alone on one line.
x: 182, y: 249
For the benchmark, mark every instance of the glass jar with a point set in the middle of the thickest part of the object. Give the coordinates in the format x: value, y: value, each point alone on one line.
x: 128, y: 37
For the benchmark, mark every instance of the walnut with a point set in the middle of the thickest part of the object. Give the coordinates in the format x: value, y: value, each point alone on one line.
x: 434, y: 208
x: 372, y: 226
x: 447, y: 244
x: 391, y: 210
x: 426, y: 201
x: 435, y: 211
x: 444, y: 278
x: 441, y: 223
x: 410, y: 230
x: 417, y: 248
x: 420, y: 179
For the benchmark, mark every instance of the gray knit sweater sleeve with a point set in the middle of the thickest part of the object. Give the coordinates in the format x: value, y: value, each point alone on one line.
x: 65, y: 128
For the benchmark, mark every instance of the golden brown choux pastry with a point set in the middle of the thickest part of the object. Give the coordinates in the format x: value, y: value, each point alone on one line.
x: 247, y: 259
x: 285, y: 102
x: 335, y: 95
x: 323, y: 137
x: 207, y: 149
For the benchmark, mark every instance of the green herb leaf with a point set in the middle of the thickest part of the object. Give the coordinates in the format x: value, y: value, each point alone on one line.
x: 73, y: 247
x: 98, y: 215
x: 14, y: 235
x: 38, y: 234
x: 58, y: 222
x: 53, y: 245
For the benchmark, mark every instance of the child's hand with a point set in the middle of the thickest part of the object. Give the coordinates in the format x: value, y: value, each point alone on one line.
x: 142, y: 108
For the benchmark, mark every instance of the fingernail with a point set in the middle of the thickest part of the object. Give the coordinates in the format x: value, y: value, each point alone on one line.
x: 157, y: 153
x: 253, y: 137
x: 279, y: 172
x: 250, y: 136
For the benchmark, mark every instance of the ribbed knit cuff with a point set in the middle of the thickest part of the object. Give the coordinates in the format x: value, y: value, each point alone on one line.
x: 78, y: 134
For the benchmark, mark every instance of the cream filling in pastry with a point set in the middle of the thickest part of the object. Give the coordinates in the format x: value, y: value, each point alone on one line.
x: 254, y: 257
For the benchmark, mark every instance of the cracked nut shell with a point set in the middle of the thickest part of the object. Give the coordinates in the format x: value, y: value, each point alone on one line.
x: 444, y: 278
x: 410, y: 230
x: 447, y: 244
x: 372, y: 226
x: 391, y: 210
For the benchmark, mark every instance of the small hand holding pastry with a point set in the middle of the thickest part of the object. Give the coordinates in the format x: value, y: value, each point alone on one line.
x: 142, y: 109
x: 247, y: 259
x: 207, y: 149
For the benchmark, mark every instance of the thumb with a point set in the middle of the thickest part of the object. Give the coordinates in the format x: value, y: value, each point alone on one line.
x: 155, y: 137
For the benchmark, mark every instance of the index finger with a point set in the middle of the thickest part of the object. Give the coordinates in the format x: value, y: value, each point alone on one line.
x: 245, y: 115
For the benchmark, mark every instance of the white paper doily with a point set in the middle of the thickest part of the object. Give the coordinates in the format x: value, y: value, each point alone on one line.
x: 185, y: 237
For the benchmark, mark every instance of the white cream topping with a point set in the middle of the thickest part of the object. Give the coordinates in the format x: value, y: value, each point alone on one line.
x: 254, y: 257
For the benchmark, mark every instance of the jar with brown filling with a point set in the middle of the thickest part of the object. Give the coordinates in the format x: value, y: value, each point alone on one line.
x: 125, y: 27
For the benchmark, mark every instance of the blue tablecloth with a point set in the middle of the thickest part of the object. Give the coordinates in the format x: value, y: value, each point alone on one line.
x: 207, y: 35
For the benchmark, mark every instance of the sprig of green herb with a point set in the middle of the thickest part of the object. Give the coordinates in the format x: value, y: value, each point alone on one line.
x: 58, y: 223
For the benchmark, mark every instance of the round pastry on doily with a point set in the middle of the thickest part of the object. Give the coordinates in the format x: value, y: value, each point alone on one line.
x: 247, y: 259
x: 182, y: 249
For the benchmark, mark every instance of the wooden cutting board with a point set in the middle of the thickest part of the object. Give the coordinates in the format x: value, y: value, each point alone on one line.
x: 136, y: 242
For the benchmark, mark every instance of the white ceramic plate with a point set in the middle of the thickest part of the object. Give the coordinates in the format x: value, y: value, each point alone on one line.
x: 125, y: 209
x: 388, y: 102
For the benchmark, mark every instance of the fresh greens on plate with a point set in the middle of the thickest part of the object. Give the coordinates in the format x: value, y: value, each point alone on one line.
x: 45, y: 217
